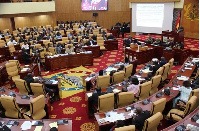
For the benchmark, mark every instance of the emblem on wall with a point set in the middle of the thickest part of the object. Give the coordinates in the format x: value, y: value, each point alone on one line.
x: 191, y: 11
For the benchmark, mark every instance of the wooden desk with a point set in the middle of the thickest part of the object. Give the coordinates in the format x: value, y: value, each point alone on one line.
x: 111, y: 44
x: 46, y: 127
x: 153, y: 98
x: 185, y: 121
x: 168, y: 54
x: 2, y: 58
x: 33, y: 69
x: 3, y: 73
x: 26, y: 102
x: 95, y: 50
x: 68, y: 61
x: 141, y: 56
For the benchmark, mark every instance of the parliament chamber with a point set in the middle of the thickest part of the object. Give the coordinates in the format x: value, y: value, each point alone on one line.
x: 99, y: 65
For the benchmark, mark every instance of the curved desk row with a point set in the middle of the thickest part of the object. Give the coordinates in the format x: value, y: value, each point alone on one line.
x: 187, y: 120
x: 46, y: 126
x: 25, y: 102
x: 152, y: 98
x: 68, y: 61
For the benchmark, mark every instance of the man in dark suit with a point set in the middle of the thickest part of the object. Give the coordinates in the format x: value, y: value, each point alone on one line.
x: 128, y: 41
x: 139, y: 120
x: 90, y: 42
x: 94, y: 37
x: 155, y: 67
x: 111, y: 37
x: 163, y: 61
x: 29, y: 79
x: 95, y: 95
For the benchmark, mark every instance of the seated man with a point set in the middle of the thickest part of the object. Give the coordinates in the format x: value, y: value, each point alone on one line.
x: 90, y: 42
x: 95, y: 96
x: 12, y: 41
x: 139, y: 120
x: 128, y: 41
x: 155, y: 67
x: 69, y: 50
x: 163, y: 61
x: 26, y: 56
x: 29, y: 79
x: 94, y: 37
x: 149, y: 40
x: 111, y: 37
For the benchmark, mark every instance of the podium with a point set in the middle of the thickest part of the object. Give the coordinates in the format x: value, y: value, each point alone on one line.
x: 173, y: 35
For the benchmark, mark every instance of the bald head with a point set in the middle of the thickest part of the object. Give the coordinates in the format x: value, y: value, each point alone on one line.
x: 139, y: 110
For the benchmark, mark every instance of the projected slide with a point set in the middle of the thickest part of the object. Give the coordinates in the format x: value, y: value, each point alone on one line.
x: 89, y: 5
x: 149, y: 15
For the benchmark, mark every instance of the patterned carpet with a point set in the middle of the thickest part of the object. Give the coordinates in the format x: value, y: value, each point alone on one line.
x: 72, y: 105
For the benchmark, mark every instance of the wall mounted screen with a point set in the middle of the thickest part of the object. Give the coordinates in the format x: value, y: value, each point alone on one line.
x: 152, y: 17
x: 91, y: 5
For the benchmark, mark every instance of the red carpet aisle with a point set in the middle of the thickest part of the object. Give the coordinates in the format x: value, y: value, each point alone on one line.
x: 108, y: 58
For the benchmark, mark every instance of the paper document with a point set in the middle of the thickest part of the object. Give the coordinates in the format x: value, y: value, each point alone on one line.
x: 26, y: 125
x: 89, y: 94
x: 141, y: 79
x: 174, y: 88
x: 188, y: 68
x: 88, y: 78
x: 54, y: 124
x: 116, y: 90
x: 183, y: 78
x: 38, y: 128
x: 137, y: 76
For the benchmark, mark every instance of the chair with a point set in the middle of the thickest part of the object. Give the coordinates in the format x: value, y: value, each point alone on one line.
x: 46, y: 41
x: 177, y: 115
x: 72, y: 46
x: 11, y: 107
x: 37, y: 46
x: 126, y: 128
x: 17, y: 63
x: 195, y: 92
x: 128, y: 71
x: 144, y: 90
x: 125, y: 98
x: 65, y: 38
x: 2, y: 44
x: 152, y: 123
x: 12, y: 71
x: 159, y: 71
x: 101, y: 44
x: 171, y: 62
x: 158, y: 106
x: 52, y: 50
x: 11, y: 49
x: 155, y: 83
x: 36, y: 111
x: 99, y: 37
x: 165, y: 72
x: 22, y: 86
x: 103, y: 102
x: 62, y: 32
x: 103, y: 81
x: 118, y: 77
x: 38, y: 89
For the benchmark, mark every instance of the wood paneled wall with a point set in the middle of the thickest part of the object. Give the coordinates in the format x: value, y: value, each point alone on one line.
x: 118, y: 11
x: 5, y: 24
x: 191, y: 26
x: 23, y: 20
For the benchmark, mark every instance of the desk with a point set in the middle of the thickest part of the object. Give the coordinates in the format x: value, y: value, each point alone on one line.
x: 3, y: 73
x: 2, y: 58
x: 26, y: 102
x: 34, y: 69
x: 185, y: 121
x: 5, y: 51
x: 95, y: 50
x: 111, y: 44
x: 153, y: 98
x: 141, y: 56
x: 68, y: 61
x: 46, y: 127
x: 168, y: 54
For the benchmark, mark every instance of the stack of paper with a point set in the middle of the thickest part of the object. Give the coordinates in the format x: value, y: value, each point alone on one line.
x: 38, y: 128
x: 116, y: 90
x: 114, y: 116
x: 195, y: 60
x: 54, y: 124
x: 183, y: 78
x: 132, y: 113
x: 26, y: 125
x: 146, y: 70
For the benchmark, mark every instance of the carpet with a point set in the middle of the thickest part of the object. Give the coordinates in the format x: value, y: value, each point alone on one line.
x: 71, y: 80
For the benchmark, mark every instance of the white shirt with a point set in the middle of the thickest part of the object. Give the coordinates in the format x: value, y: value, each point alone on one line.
x: 13, y: 42
x: 25, y: 46
x: 185, y: 93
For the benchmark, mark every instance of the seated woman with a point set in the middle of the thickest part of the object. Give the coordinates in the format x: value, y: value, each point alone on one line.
x: 184, y: 93
x: 134, y: 86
